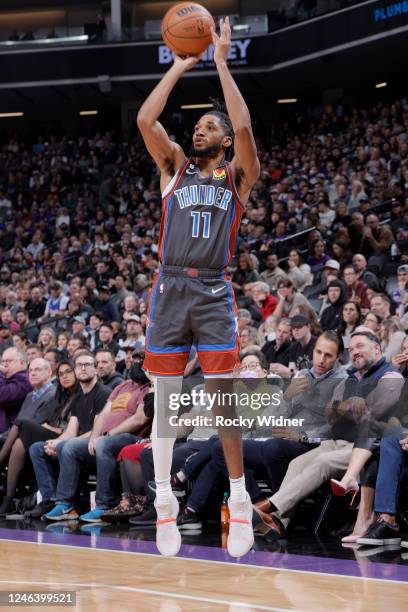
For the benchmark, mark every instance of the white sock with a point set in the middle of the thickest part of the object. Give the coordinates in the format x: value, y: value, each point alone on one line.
x: 237, y: 488
x: 162, y: 449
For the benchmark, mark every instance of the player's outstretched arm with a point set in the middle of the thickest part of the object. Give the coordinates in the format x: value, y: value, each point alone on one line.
x: 168, y: 155
x: 245, y: 163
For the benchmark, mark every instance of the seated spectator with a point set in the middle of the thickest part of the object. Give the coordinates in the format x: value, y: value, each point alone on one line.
x: 342, y: 218
x: 26, y: 327
x: 106, y: 340
x: 301, y: 350
x: 380, y: 304
x: 120, y: 291
x: 14, y: 387
x: 400, y: 360
x: 248, y: 337
x: 134, y: 334
x: 273, y: 272
x: 62, y: 341
x: 399, y: 295
x: 245, y: 272
x: 369, y: 278
x: 6, y: 338
x: 244, y: 319
x: 75, y: 343
x: 356, y: 290
x: 391, y: 336
x: 350, y: 319
x: 105, y: 306
x: 106, y: 368
x: 118, y: 424
x: 95, y: 322
x: 132, y: 355
x: 264, y: 301
x: 318, y: 257
x: 130, y: 307
x: 373, y: 321
x: 341, y: 252
x: 330, y: 272
x: 53, y: 356
x: 37, y: 410
x: 277, y: 351
x: 78, y: 326
x: 33, y: 351
x: 299, y: 272
x: 326, y: 214
x: 88, y: 403
x: 20, y: 342
x: 46, y: 339
x: 267, y: 330
x: 7, y: 319
x: 57, y: 303
x: 36, y: 305
x: 376, y: 243
x: 330, y: 318
x: 289, y: 300
x: 365, y: 386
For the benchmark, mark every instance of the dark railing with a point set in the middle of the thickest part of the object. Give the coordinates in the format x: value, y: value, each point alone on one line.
x: 282, y: 245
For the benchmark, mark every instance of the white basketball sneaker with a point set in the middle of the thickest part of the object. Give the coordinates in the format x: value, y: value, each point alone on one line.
x: 241, y: 534
x: 168, y: 538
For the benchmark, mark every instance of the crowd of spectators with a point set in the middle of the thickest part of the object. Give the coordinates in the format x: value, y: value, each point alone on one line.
x: 321, y: 259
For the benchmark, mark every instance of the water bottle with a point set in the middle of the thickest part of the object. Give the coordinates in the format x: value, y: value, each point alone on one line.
x: 225, y: 513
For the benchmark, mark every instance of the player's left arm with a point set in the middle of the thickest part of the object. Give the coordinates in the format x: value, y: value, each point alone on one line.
x: 245, y: 165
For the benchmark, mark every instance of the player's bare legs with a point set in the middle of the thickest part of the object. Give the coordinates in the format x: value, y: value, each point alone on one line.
x: 240, y: 537
x: 168, y: 537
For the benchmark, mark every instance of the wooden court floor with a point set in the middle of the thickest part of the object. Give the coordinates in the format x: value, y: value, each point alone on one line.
x: 120, y: 581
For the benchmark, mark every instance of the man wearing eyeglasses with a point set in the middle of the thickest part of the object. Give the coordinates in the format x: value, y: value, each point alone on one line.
x: 57, y: 495
x: 14, y: 386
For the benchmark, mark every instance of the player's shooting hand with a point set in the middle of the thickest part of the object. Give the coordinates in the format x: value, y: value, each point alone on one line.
x: 222, y: 43
x: 185, y: 63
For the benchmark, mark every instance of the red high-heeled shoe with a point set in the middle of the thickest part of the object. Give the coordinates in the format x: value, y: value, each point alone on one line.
x: 339, y: 490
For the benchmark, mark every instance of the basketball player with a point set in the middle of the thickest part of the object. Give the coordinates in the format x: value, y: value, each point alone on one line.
x: 203, y: 201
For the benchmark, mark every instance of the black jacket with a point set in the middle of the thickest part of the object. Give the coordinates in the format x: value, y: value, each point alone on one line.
x: 113, y: 380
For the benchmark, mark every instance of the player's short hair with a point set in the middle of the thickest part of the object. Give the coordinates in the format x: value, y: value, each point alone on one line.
x: 219, y: 111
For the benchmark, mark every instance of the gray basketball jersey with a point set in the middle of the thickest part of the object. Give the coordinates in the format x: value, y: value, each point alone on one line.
x: 200, y: 218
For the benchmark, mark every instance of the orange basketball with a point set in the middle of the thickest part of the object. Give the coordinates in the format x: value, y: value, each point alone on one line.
x: 186, y: 28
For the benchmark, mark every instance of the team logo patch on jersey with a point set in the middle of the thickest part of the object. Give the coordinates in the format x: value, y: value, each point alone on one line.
x: 192, y: 169
x: 219, y: 174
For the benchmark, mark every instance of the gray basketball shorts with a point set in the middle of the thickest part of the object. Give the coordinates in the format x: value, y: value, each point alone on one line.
x: 184, y: 311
